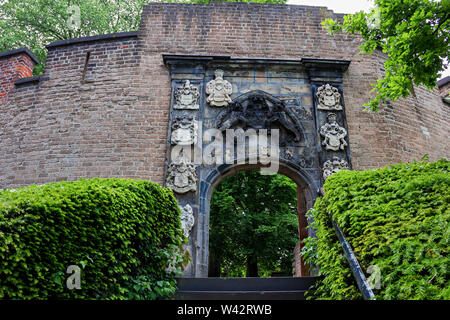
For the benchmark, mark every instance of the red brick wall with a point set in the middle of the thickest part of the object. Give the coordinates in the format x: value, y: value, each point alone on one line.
x: 108, y: 117
x: 12, y: 68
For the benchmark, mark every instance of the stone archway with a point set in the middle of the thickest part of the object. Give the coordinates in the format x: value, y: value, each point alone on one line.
x: 301, y: 100
x: 306, y: 196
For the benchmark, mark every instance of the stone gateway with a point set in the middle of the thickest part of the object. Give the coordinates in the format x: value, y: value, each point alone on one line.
x: 118, y: 105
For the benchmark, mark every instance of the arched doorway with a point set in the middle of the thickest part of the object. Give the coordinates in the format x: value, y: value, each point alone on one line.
x: 263, y: 95
x: 305, y: 200
x: 256, y: 226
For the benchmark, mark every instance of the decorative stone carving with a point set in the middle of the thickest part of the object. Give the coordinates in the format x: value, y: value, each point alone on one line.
x: 186, y: 97
x: 332, y: 166
x: 329, y: 98
x: 184, y: 130
x: 218, y: 90
x: 187, y: 219
x: 333, y: 134
x: 302, y: 162
x: 259, y: 110
x: 181, y: 176
x: 289, y: 154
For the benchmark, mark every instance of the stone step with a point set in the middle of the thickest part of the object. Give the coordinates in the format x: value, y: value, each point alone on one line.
x: 240, y: 295
x: 279, y: 288
x: 246, y: 284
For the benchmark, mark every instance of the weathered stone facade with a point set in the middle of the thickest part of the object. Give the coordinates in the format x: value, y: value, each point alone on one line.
x: 105, y: 105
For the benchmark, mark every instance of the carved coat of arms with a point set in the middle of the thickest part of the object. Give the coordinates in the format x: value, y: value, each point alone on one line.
x: 332, y: 166
x: 181, y: 177
x: 329, y: 98
x: 186, y: 97
x: 187, y: 219
x: 184, y: 131
x: 218, y: 90
x: 259, y: 110
x: 333, y: 134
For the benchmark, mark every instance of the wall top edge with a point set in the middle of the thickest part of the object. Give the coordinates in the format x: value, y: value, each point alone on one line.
x: 308, y: 63
x: 110, y: 36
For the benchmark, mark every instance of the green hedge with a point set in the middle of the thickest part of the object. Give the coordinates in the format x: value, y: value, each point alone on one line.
x: 122, y: 234
x: 397, y: 220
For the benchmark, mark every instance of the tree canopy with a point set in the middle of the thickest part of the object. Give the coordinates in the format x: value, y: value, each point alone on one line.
x: 415, y: 36
x: 37, y: 23
x: 253, y: 225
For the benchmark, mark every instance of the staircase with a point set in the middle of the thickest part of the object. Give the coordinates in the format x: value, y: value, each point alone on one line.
x: 278, y: 288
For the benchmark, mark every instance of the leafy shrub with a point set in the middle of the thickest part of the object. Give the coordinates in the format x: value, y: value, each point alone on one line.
x: 396, y: 219
x: 122, y: 233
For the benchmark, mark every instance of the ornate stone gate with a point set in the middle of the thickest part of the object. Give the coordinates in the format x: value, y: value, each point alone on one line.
x: 302, y: 99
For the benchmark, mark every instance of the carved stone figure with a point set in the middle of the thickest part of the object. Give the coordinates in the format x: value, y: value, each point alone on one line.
x: 186, y: 97
x: 332, y: 166
x: 333, y: 134
x: 181, y: 176
x: 184, y: 130
x: 329, y: 98
x: 187, y: 219
x: 218, y: 90
x: 259, y: 110
x: 302, y: 162
x: 289, y: 154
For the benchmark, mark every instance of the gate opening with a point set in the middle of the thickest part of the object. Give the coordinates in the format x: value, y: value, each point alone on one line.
x: 256, y: 226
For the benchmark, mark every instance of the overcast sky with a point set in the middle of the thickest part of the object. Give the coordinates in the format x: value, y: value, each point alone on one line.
x: 345, y: 6
x: 338, y: 6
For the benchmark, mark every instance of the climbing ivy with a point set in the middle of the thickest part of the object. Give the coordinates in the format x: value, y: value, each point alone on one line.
x: 397, y: 221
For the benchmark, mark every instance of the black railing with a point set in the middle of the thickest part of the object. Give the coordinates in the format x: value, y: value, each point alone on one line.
x: 360, y: 278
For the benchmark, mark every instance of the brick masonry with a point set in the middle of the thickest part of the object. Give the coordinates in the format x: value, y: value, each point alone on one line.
x: 101, y: 108
x: 14, y: 65
x: 444, y: 86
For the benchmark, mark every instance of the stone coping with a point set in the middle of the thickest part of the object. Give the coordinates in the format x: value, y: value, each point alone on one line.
x: 319, y: 64
x: 110, y: 36
x: 27, y: 80
x: 443, y: 81
x: 25, y: 50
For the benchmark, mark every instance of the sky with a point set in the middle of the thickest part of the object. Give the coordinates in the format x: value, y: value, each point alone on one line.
x: 346, y: 6
x: 338, y: 6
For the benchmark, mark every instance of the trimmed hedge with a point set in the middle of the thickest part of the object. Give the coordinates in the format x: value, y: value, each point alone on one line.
x: 122, y: 233
x: 397, y: 220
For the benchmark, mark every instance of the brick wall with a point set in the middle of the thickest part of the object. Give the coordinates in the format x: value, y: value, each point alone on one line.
x: 444, y: 86
x: 101, y: 108
x: 14, y: 65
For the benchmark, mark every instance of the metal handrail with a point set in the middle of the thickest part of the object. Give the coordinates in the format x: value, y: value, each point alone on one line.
x: 360, y: 278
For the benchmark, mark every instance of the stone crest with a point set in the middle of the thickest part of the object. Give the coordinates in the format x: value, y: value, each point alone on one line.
x: 329, y: 98
x: 187, y: 219
x: 186, y: 97
x: 218, y: 90
x: 184, y: 131
x: 332, y: 166
x: 333, y: 134
x: 259, y: 110
x: 181, y: 176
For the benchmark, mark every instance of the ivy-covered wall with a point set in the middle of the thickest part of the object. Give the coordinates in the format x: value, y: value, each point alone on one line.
x: 397, y: 222
x: 122, y: 234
